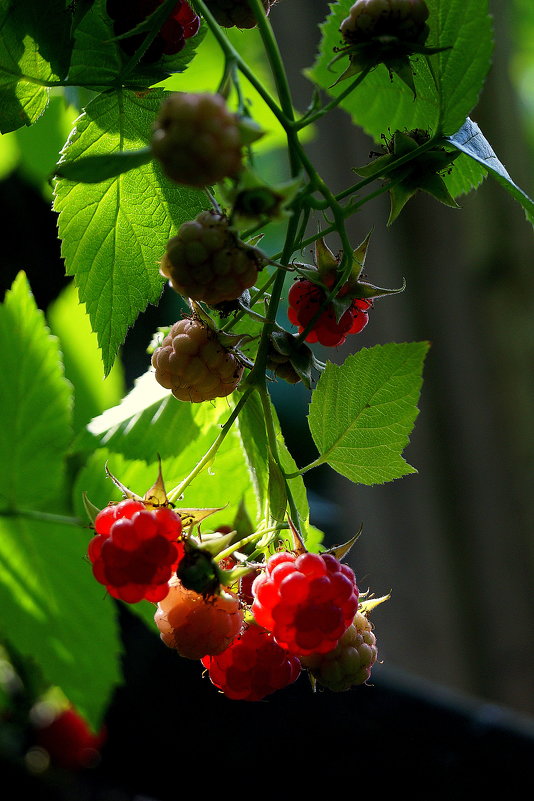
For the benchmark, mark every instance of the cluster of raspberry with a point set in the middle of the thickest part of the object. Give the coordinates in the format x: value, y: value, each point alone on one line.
x: 253, y: 626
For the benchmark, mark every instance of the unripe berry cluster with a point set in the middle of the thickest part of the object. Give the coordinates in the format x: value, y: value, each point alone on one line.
x: 197, y: 139
x: 207, y: 262
x: 193, y: 364
x: 349, y: 663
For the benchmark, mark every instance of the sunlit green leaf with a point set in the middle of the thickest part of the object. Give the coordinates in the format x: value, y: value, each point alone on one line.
x: 34, y: 51
x: 53, y: 611
x: 114, y: 232
x: 447, y: 84
x: 363, y: 411
x: 36, y: 405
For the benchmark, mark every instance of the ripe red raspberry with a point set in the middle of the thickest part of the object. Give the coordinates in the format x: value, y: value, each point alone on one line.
x: 194, y: 365
x: 66, y: 737
x: 305, y: 299
x: 369, y: 19
x: 230, y: 13
x: 207, y: 261
x: 197, y: 626
x: 350, y: 663
x: 181, y: 25
x: 135, y: 551
x: 197, y: 139
x: 306, y: 601
x: 253, y: 666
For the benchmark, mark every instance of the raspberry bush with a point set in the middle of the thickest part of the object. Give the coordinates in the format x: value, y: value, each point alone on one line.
x: 162, y: 193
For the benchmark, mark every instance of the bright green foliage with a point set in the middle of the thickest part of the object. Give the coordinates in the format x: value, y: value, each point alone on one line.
x: 81, y: 357
x: 447, y: 83
x: 34, y: 51
x: 47, y: 602
x: 94, y: 169
x: 95, y: 61
x: 362, y: 412
x: 53, y: 611
x: 114, y: 232
x: 36, y: 406
x: 251, y: 424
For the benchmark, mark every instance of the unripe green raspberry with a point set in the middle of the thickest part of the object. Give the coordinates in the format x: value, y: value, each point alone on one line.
x: 230, y: 13
x: 206, y: 261
x: 403, y: 19
x: 350, y: 663
x: 197, y: 139
x: 193, y: 364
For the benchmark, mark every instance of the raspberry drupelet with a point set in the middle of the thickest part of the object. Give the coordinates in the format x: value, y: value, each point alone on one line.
x: 307, y: 602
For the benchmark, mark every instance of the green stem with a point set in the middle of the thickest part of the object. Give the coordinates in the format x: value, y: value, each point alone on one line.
x: 312, y: 117
x: 319, y: 461
x: 275, y: 57
x: 208, y: 457
x: 253, y: 300
x: 236, y: 546
x: 232, y: 54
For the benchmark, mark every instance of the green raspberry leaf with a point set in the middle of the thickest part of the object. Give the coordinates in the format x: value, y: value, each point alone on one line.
x: 109, y: 65
x: 114, y: 232
x: 471, y: 141
x: 81, y: 358
x: 150, y: 424
x: 48, y: 596
x: 447, y: 84
x: 36, y: 405
x: 94, y: 169
x: 363, y: 411
x: 35, y: 49
x: 53, y: 611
